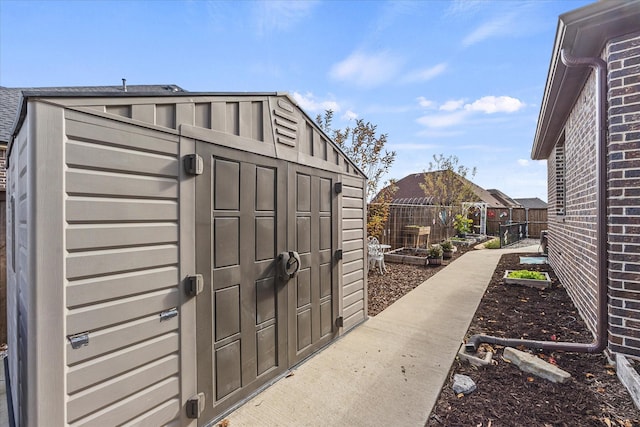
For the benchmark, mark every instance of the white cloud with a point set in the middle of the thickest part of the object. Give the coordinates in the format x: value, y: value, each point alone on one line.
x: 425, y: 103
x: 462, y: 7
x: 500, y: 26
x: 308, y: 103
x: 455, y: 111
x: 281, y: 15
x: 366, y: 69
x: 443, y: 120
x: 425, y: 74
x: 495, y: 104
x: 523, y: 162
x: 349, y: 115
x: 452, y: 105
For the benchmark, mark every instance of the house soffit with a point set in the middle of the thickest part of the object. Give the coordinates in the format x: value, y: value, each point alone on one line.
x: 583, y: 32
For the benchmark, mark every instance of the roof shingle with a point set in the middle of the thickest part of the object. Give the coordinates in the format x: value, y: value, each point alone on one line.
x: 10, y: 99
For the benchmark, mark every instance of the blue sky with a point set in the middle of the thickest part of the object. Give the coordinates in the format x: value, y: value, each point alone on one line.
x: 440, y: 77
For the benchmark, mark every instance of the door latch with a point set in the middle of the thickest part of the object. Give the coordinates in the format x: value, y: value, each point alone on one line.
x: 168, y: 314
x: 195, y: 406
x: 193, y: 164
x: 79, y: 340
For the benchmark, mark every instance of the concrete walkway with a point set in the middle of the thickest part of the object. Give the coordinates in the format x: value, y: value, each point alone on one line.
x: 389, y: 370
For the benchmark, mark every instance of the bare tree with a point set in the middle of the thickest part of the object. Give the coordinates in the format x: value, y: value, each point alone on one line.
x: 365, y: 147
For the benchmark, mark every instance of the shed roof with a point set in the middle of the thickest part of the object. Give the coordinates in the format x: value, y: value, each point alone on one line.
x: 10, y: 98
x: 584, y: 33
x: 17, y: 101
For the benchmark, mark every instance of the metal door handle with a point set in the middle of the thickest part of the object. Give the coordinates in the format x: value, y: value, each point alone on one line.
x: 289, y: 264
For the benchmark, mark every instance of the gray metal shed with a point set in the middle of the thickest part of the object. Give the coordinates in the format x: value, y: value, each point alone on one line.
x: 169, y: 255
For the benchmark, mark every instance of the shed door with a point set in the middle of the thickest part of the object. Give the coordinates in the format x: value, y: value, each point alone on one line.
x: 313, y: 234
x: 251, y: 324
x: 241, y: 313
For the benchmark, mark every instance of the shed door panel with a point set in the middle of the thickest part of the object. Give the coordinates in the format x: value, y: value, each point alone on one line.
x: 251, y: 324
x: 313, y: 234
x: 241, y: 313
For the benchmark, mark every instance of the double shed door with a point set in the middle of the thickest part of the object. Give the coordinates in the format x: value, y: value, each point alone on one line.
x: 252, y: 324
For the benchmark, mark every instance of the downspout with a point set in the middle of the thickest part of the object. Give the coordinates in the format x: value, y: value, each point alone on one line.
x: 600, y: 341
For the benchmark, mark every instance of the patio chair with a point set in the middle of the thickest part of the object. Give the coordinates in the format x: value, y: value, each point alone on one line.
x: 376, y: 256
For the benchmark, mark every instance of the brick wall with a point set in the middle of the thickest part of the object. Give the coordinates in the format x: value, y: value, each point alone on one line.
x: 623, y: 58
x: 572, y: 243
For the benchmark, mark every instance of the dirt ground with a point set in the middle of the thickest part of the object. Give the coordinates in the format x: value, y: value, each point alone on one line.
x: 506, y: 396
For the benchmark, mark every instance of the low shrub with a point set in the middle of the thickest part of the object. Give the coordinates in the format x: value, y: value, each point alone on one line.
x: 493, y: 244
x: 435, y: 251
x: 527, y: 274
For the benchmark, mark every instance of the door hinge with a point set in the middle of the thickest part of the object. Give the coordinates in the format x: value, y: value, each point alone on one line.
x: 338, y: 255
x: 339, y: 322
x: 193, y: 164
x: 195, y: 406
x: 79, y: 340
x: 338, y: 187
x: 194, y: 285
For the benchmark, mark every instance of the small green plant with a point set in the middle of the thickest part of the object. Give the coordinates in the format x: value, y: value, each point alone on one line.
x: 446, y: 246
x: 526, y: 274
x: 434, y: 251
x: 462, y: 224
x: 493, y: 244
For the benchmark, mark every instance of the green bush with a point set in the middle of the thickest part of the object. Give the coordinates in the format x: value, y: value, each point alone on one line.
x: 434, y: 251
x: 493, y: 244
x: 446, y: 246
x: 527, y: 274
x: 462, y: 224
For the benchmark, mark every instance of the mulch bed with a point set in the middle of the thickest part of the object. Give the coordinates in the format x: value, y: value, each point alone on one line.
x: 384, y: 290
x: 506, y: 396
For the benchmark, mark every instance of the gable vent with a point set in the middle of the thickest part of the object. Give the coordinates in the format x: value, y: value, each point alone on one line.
x: 285, y: 123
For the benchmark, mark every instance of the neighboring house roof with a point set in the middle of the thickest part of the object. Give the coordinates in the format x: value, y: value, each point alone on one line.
x: 409, y: 192
x: 532, y: 203
x: 583, y: 33
x: 506, y: 200
x: 10, y: 99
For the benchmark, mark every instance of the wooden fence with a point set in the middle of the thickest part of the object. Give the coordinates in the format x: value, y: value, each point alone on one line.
x: 536, y: 220
x: 401, y: 216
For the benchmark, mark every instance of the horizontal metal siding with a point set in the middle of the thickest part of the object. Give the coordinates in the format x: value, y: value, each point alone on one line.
x: 353, y: 242
x: 121, y: 185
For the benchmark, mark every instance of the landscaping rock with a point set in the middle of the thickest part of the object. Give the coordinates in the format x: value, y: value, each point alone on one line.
x: 527, y: 362
x: 463, y: 384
